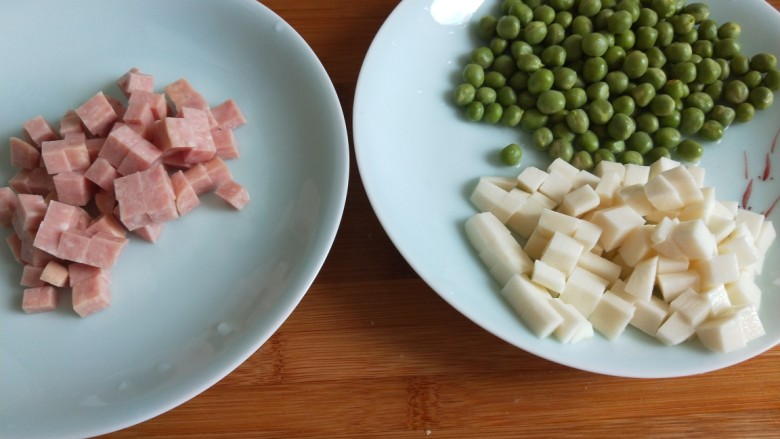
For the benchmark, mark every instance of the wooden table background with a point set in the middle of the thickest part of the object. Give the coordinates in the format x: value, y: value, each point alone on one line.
x: 372, y: 351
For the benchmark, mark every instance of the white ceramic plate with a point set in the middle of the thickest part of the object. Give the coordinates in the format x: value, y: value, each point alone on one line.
x: 419, y: 160
x: 192, y: 307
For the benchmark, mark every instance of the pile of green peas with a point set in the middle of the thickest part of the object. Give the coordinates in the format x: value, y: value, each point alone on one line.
x: 619, y: 80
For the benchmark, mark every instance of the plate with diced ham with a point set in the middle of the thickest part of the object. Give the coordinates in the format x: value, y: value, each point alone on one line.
x: 652, y: 270
x: 174, y: 174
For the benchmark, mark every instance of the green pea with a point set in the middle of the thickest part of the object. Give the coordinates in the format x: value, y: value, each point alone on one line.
x: 561, y: 149
x: 506, y: 96
x: 772, y: 80
x: 601, y: 20
x: 494, y: 79
x: 689, y: 150
x: 617, y: 81
x: 614, y: 146
x: 761, y: 98
x: 684, y: 71
x: 670, y: 121
x: 699, y: 11
x: 473, y: 74
x: 715, y: 90
x: 763, y: 62
x: 678, y: 52
x: 464, y: 94
x: 635, y: 64
x: 555, y: 34
x: 708, y: 71
x: 615, y: 56
x: 620, y: 22
x: 739, y: 64
x: 655, y: 77
x: 564, y: 78
x: 725, y: 70
x: 723, y: 114
x: 667, y: 137
x: 656, y: 153
x: 727, y: 48
x: 573, y: 46
x: 512, y: 115
x: 589, y: 8
x: 540, y: 81
x: 691, y: 120
x: 645, y: 37
x: 643, y: 94
x: 703, y: 48
x: 562, y: 5
x: 561, y: 130
x: 529, y: 63
x: 621, y: 127
x: 521, y: 11
x: 624, y: 104
x: 498, y: 45
x: 533, y: 119
x: 542, y: 138
x: 712, y: 130
x: 475, y: 111
x: 744, y: 112
x: 601, y: 112
x: 493, y: 113
x: 582, y: 160
x: 708, y: 30
x: 594, y: 69
x: 729, y: 29
x: 486, y: 27
x: 597, y: 90
x: 700, y: 100
x: 518, y: 81
x: 564, y: 18
x: 647, y: 122
x: 655, y: 57
x: 640, y: 142
x: 554, y: 56
x: 526, y: 100
x: 505, y: 65
x: 551, y: 101
x: 534, y: 32
x: 577, y: 121
x: 630, y: 157
x: 594, y: 44
x: 735, y: 92
x: 752, y: 79
x: 482, y: 56
x: 511, y: 154
x: 575, y: 98
x: 662, y: 105
x: 485, y: 95
x: 647, y: 17
x: 581, y: 25
x: 665, y: 34
x: 602, y: 155
x: 519, y: 48
x: 682, y: 23
x: 545, y: 14
x: 587, y: 141
x: 630, y: 6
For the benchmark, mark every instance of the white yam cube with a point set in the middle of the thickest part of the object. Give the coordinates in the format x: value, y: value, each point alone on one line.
x: 544, y: 200
x: 505, y: 183
x: 743, y: 247
x: 662, y: 194
x: 749, y: 321
x: 649, y: 315
x: 730, y: 206
x: 720, y: 269
x: 484, y: 229
x: 486, y: 195
x: 675, y: 283
x: 580, y: 201
x: 531, y: 303
x: 604, y: 167
x: 675, y: 330
x: 608, y: 187
x: 587, y: 234
x: 720, y: 226
x: 637, y: 245
x: 583, y: 290
x: 662, y: 165
x: 585, y: 178
x: 509, y: 204
x: 656, y: 216
x: 691, y: 305
x: 524, y: 220
x: 697, y: 172
x: 635, y: 197
x: 722, y: 334
x: 536, y: 243
x: 701, y: 209
x: 564, y: 168
x: 718, y: 299
x: 530, y: 179
x: 562, y: 252
x: 574, y: 327
x: 744, y: 291
x: 667, y: 265
x: 694, y: 239
x: 765, y: 237
x: 551, y: 221
x: 549, y: 277
x: 662, y: 240
x: 556, y: 186
x: 636, y: 174
x: 619, y: 287
x: 752, y: 220
x: 616, y: 223
x: 684, y: 183
x: 601, y: 267
x: 640, y: 282
x: 506, y: 259
x: 611, y: 315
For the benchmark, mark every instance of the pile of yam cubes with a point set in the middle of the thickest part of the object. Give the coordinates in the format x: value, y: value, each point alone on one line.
x: 646, y: 246
x: 112, y: 166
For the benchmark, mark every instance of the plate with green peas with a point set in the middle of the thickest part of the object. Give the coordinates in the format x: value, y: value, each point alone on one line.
x: 447, y: 96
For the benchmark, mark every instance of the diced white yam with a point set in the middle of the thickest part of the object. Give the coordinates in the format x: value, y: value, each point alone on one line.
x: 701, y: 209
x: 675, y: 283
x: 619, y: 287
x: 530, y: 179
x: 585, y: 178
x: 583, y: 290
x: 549, y: 277
x: 611, y: 315
x: 556, y: 186
x: 551, y: 221
x: 694, y: 239
x: 720, y: 226
x: 663, y: 242
x: 752, y: 220
x: 765, y: 237
x: 564, y: 168
x: 505, y: 183
x: 667, y: 265
x: 580, y: 201
x: 751, y: 324
x: 640, y: 282
x: 697, y: 172
x: 722, y: 334
x: 574, y: 327
x: 730, y: 206
x: 608, y: 187
x: 662, y: 194
x: 531, y: 303
x: 544, y: 200
x: 486, y: 195
x: 657, y: 215
x: 675, y: 330
x: 506, y: 258
x: 637, y: 245
x: 718, y: 299
x: 635, y: 197
x: 744, y: 291
x: 483, y: 229
x: 649, y: 315
x: 691, y: 305
x: 662, y: 165
x: 720, y: 269
x: 509, y: 204
x: 684, y: 183
x: 615, y: 224
x: 743, y: 247
x: 625, y: 270
x: 601, y: 267
x: 604, y: 167
x: 562, y: 252
x: 524, y: 220
x: 636, y: 174
x: 536, y: 243
x: 587, y: 234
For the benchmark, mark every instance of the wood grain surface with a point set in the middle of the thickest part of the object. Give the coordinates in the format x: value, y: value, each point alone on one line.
x: 372, y: 351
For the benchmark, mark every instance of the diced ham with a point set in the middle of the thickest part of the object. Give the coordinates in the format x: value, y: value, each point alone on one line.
x: 73, y: 245
x: 29, y: 212
x: 105, y: 201
x: 78, y: 273
x: 225, y: 142
x: 218, y: 171
x: 67, y: 155
x: 228, y: 115
x: 54, y: 274
x: 182, y: 94
x: 187, y: 140
x: 94, y: 146
x: 37, y: 130
x: 59, y: 217
x: 15, y: 244
x: 134, y: 81
x: 151, y: 232
x: 117, y: 105
x: 102, y: 174
x: 31, y: 276
x: 198, y: 177
x: 186, y: 198
x: 91, y: 295
x: 7, y: 206
x: 103, y: 250
x: 138, y: 112
x: 73, y: 188
x: 97, y: 114
x: 39, y: 299
x: 129, y: 152
x: 24, y: 155
x: 145, y: 197
x: 106, y: 224
x: 32, y: 181
x: 235, y: 194
x: 70, y: 123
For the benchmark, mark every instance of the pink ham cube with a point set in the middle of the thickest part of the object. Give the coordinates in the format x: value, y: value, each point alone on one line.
x: 151, y: 232
x: 94, y: 146
x: 102, y: 174
x: 105, y: 201
x: 198, y: 177
x: 73, y: 245
x: 183, y: 95
x: 24, y: 155
x: 128, y: 151
x: 70, y: 123
x: 15, y: 244
x: 39, y: 299
x: 97, y: 114
x: 103, y: 250
x: 32, y: 181
x: 234, y: 194
x: 78, y: 273
x: 186, y: 198
x: 67, y: 155
x: 59, y: 217
x: 31, y: 276
x: 134, y: 81
x: 145, y: 197
x: 228, y: 115
x: 186, y: 139
x: 73, y: 188
x: 225, y: 141
x: 55, y: 274
x: 106, y: 224
x: 7, y: 206
x: 29, y: 212
x: 218, y: 171
x: 37, y: 130
x: 90, y: 296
